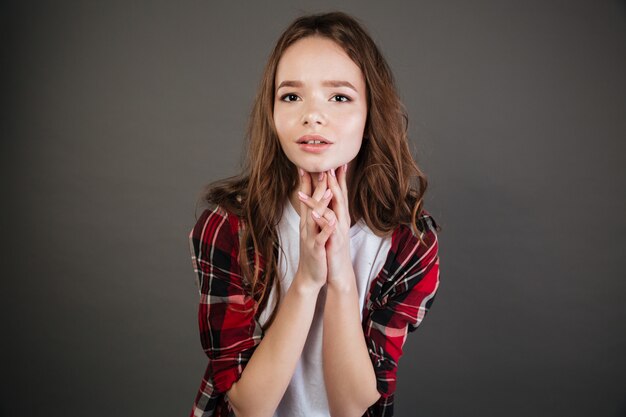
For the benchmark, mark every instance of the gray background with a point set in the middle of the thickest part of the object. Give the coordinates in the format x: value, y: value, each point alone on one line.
x: 116, y: 113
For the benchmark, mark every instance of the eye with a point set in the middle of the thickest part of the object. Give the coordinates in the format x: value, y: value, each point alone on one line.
x: 289, y: 97
x: 341, y: 98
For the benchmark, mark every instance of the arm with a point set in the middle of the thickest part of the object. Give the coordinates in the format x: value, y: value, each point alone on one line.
x: 409, y: 283
x: 275, y: 358
x: 415, y: 274
x: 350, y: 384
x: 255, y: 372
x: 242, y: 359
x: 412, y: 278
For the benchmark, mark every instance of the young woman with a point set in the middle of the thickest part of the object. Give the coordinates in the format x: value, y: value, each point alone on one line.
x: 315, y: 263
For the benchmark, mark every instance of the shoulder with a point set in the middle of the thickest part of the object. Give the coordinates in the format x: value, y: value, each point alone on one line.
x: 411, y: 271
x: 215, y: 227
x: 411, y: 258
x: 407, y: 243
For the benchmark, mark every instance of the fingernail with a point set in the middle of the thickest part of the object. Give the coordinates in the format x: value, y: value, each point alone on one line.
x: 321, y: 176
x: 331, y: 222
x: 345, y: 167
x: 302, y: 195
x: 332, y: 172
x: 301, y: 171
x: 314, y: 213
x: 327, y: 194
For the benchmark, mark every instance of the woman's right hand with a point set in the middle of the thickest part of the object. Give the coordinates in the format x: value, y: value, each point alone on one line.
x: 313, y: 267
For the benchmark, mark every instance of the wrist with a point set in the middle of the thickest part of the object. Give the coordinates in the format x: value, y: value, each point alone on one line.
x: 342, y: 282
x: 306, y: 287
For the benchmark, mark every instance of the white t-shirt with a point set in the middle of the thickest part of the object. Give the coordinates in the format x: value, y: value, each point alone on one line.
x: 306, y: 394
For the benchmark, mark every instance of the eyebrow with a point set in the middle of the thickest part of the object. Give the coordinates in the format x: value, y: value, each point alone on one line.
x: 328, y: 83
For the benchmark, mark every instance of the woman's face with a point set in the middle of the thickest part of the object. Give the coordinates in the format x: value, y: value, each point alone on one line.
x: 320, y: 96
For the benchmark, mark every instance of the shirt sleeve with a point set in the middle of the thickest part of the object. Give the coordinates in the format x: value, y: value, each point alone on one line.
x: 401, y: 297
x: 229, y: 331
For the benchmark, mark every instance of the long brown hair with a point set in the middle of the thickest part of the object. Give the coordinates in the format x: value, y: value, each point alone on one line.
x: 388, y: 186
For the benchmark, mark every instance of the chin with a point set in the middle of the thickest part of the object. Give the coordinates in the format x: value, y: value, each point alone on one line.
x: 319, y: 167
x: 318, y: 164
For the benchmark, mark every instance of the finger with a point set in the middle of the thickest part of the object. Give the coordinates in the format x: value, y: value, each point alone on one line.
x: 305, y: 181
x: 328, y: 217
x: 343, y: 181
x: 322, y: 185
x: 305, y: 188
x: 327, y: 231
x: 318, y: 206
x: 341, y: 205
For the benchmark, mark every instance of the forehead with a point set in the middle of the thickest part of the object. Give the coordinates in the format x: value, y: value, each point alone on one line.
x: 317, y: 58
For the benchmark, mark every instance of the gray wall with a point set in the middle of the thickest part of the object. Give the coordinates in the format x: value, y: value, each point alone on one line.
x: 116, y: 113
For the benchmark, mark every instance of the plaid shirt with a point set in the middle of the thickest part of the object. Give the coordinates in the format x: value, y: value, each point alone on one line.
x: 398, y: 299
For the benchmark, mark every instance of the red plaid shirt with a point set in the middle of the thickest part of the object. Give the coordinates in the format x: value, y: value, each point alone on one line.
x: 398, y: 299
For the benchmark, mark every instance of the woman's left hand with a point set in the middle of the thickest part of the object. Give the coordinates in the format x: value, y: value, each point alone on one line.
x: 338, y: 257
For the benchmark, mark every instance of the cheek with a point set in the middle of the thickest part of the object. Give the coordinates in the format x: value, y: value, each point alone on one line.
x: 284, y: 130
x: 282, y: 120
x: 277, y: 117
x: 353, y: 123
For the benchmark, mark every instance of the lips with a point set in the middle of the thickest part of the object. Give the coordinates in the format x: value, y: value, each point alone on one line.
x: 314, y: 143
x: 313, y: 140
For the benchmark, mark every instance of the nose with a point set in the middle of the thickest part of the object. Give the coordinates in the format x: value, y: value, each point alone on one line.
x: 313, y: 115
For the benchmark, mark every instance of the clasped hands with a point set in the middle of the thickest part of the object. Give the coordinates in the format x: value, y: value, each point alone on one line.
x: 324, y: 228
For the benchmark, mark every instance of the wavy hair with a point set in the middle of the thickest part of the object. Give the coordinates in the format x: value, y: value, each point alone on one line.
x: 388, y: 186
